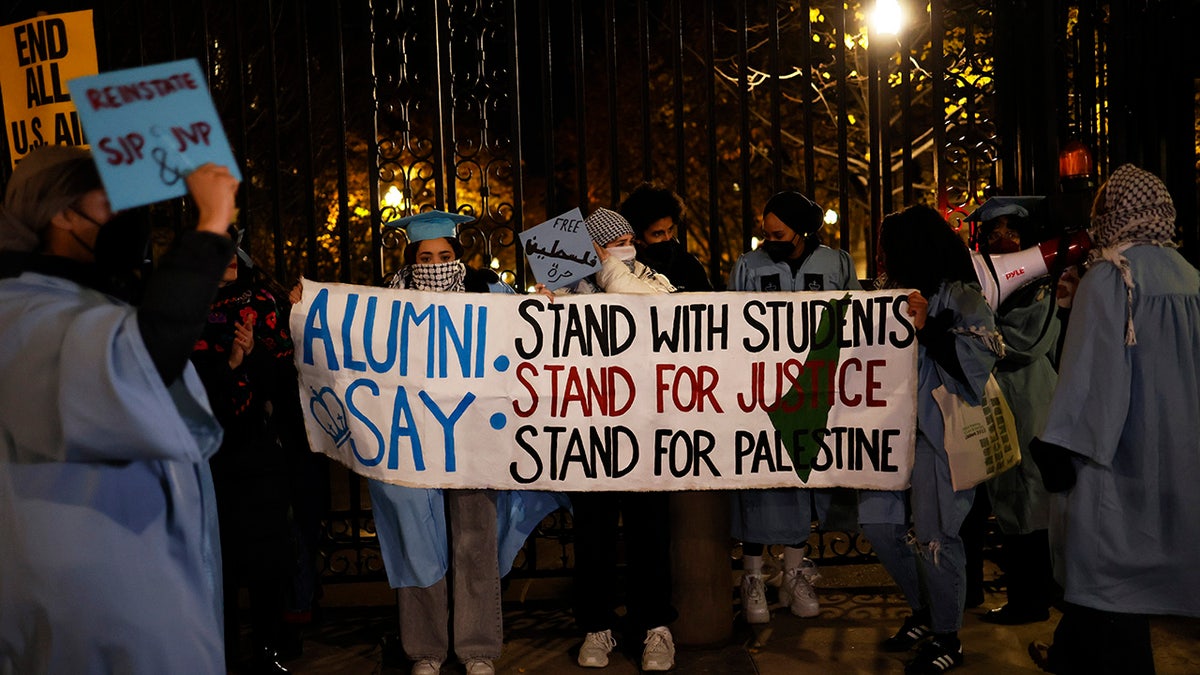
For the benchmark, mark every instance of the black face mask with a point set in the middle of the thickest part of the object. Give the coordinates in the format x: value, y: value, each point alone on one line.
x: 122, y: 242
x: 778, y: 251
x: 661, y: 251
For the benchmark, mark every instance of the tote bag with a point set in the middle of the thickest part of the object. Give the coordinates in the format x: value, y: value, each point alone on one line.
x: 981, y: 440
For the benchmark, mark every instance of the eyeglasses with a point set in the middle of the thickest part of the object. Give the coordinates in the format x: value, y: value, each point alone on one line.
x: 997, y: 234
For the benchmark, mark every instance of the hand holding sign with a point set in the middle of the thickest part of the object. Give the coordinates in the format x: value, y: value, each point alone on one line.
x: 560, y: 251
x: 214, y: 188
x: 151, y: 127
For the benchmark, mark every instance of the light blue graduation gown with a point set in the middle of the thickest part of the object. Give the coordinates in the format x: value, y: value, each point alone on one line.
x: 783, y: 515
x: 411, y: 524
x: 1127, y: 536
x: 938, y: 510
x: 108, y: 529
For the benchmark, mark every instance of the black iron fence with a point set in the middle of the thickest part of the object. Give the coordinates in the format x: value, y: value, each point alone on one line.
x: 348, y: 113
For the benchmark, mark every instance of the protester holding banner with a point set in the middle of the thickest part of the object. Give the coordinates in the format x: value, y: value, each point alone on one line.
x: 958, y: 347
x: 1121, y: 445
x: 111, y: 560
x: 595, y: 515
x: 472, y: 534
x: 244, y: 357
x: 656, y: 215
x: 1029, y: 323
x: 791, y: 258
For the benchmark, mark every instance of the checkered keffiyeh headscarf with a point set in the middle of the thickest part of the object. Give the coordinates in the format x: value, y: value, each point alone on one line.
x: 447, y: 276
x: 1134, y: 208
x: 605, y: 226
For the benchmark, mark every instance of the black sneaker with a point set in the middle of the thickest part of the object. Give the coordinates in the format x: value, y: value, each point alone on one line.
x: 936, y: 656
x: 912, y: 633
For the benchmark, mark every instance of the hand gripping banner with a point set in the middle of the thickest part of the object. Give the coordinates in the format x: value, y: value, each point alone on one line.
x: 690, y: 391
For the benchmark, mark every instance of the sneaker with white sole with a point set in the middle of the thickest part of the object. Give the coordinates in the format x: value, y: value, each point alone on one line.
x: 480, y: 667
x: 659, y: 653
x: 596, y: 648
x: 797, y: 591
x: 754, y: 599
x: 427, y: 667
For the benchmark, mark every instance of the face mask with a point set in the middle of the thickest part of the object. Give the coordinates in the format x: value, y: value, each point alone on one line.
x: 778, y: 251
x: 623, y: 253
x: 663, y: 250
x: 447, y: 276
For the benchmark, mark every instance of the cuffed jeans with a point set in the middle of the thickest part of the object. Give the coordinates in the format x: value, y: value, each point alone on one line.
x: 475, y: 583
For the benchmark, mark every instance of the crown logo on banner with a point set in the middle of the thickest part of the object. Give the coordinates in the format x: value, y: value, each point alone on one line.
x: 329, y: 412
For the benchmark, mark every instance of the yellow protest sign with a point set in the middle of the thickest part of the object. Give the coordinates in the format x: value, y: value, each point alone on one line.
x: 37, y: 57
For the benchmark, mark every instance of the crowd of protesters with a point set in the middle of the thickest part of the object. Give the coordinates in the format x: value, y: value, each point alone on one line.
x: 152, y: 456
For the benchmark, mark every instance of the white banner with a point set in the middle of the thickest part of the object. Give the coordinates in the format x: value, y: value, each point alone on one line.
x: 610, y: 392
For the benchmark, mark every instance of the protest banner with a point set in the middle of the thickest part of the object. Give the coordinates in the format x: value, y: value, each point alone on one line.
x: 151, y: 126
x: 560, y: 250
x: 37, y: 58
x: 610, y: 392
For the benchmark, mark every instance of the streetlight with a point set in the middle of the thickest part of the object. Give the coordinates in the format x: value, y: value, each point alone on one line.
x: 887, y: 17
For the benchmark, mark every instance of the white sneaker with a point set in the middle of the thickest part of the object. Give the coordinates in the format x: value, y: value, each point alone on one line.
x: 798, y: 593
x: 426, y: 667
x: 659, y: 653
x: 480, y: 667
x: 809, y: 569
x: 754, y: 599
x: 595, y: 649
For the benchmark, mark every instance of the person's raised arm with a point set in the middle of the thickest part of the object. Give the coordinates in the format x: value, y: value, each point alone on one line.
x: 181, y: 289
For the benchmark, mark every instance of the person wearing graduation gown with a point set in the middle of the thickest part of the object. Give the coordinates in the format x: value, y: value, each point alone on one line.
x: 471, y: 535
x: 1029, y: 322
x: 1121, y: 445
x: 791, y: 258
x: 958, y: 345
x: 110, y: 558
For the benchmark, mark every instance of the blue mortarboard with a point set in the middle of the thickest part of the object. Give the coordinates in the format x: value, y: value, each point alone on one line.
x: 430, y: 224
x: 995, y: 207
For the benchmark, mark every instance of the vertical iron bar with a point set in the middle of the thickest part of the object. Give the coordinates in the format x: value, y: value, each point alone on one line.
x: 518, y: 166
x: 372, y: 150
x: 310, y: 195
x: 243, y: 131
x: 908, y: 170
x: 884, y: 65
x: 680, y: 147
x: 444, y: 138
x: 937, y: 59
x: 274, y: 169
x: 773, y: 48
x: 610, y: 40
x: 644, y: 69
x: 344, y: 238
x: 581, y: 105
x: 843, y: 136
x: 806, y: 84
x: 548, y: 106
x: 743, y: 50
x: 714, y: 196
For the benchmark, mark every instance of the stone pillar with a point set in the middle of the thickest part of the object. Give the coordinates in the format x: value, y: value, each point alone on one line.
x: 700, y: 566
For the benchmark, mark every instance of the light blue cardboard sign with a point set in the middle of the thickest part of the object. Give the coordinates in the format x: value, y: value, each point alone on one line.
x: 149, y: 128
x: 560, y: 250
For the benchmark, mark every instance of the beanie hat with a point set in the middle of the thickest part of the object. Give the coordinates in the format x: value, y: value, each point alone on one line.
x: 604, y: 226
x: 796, y: 211
x: 46, y: 181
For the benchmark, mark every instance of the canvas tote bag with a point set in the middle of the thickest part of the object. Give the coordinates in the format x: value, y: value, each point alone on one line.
x: 981, y: 441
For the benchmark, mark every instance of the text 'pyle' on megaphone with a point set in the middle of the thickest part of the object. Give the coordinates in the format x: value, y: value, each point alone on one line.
x: 1000, y: 275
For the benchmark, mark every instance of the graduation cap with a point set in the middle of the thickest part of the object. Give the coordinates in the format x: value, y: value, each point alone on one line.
x: 995, y: 207
x: 430, y: 225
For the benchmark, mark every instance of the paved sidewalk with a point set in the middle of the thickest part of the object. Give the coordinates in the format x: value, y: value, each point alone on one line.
x: 858, y: 609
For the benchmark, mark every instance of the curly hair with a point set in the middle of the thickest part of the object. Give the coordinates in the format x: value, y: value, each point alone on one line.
x: 918, y: 249
x: 649, y: 203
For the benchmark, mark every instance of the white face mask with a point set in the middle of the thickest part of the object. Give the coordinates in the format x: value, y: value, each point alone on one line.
x: 623, y: 253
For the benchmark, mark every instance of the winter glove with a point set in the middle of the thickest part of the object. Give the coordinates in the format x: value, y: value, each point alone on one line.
x: 1055, y: 463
